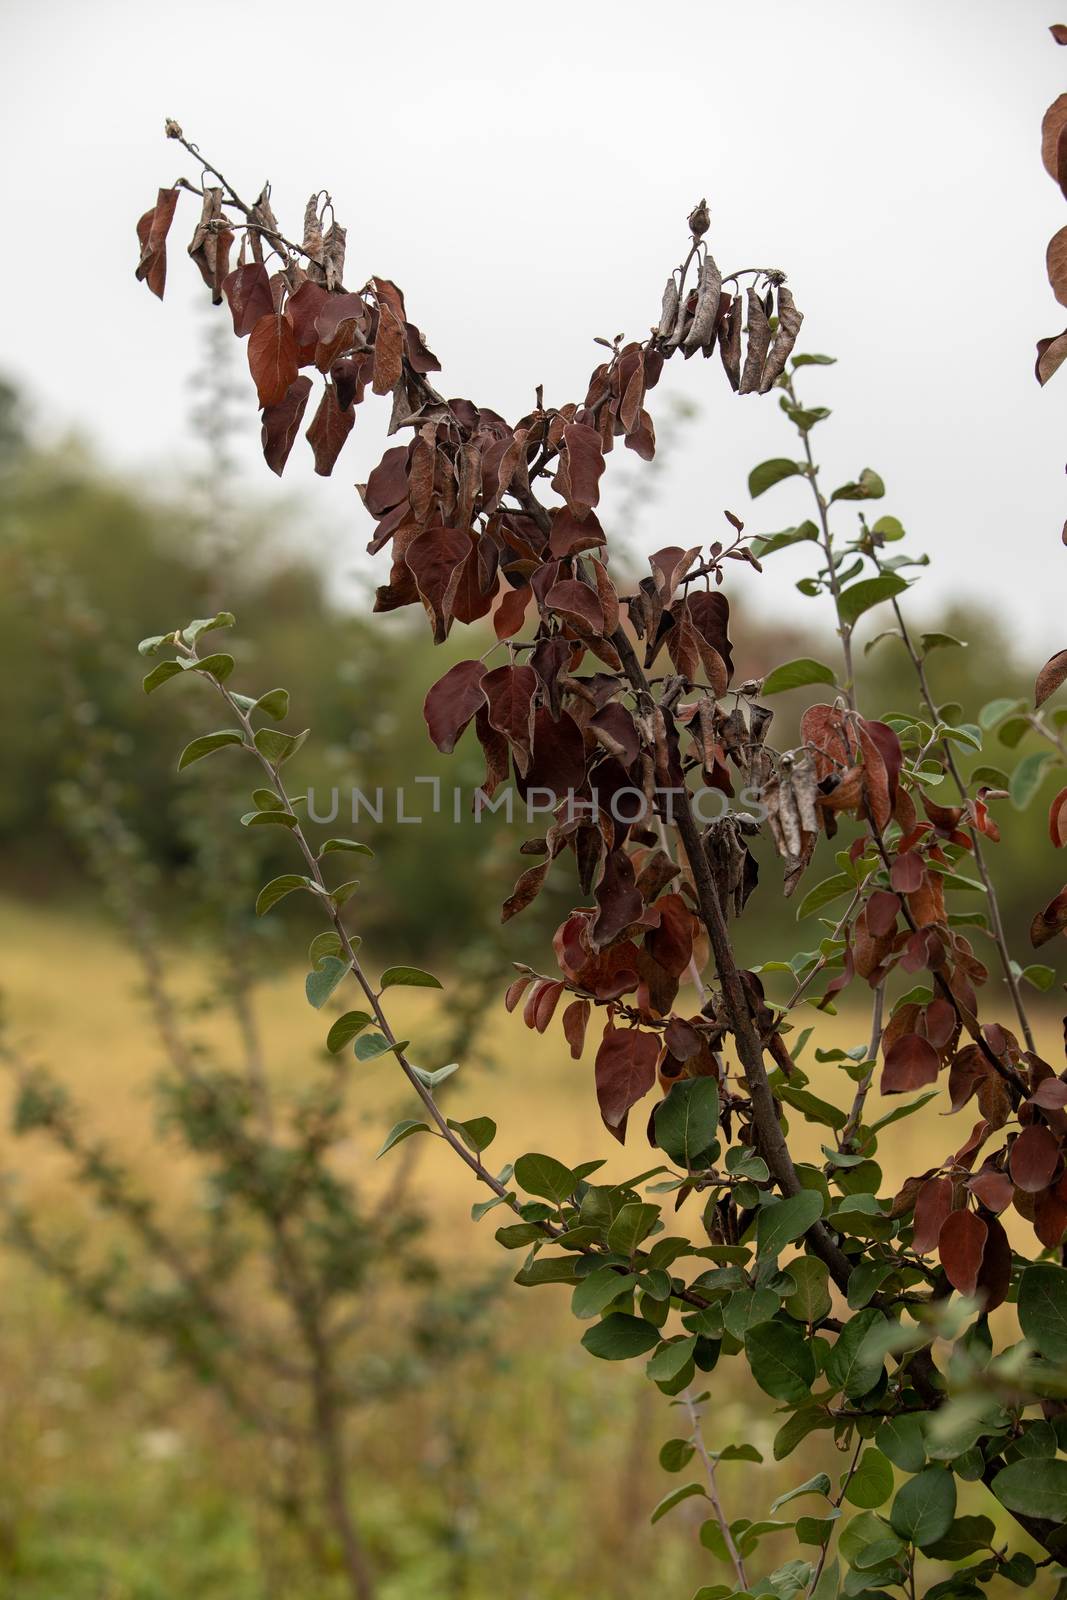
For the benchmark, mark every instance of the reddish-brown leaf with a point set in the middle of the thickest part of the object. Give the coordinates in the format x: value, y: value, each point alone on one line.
x: 329, y: 430
x: 933, y: 1203
x: 452, y: 702
x: 1050, y: 1215
x: 547, y: 1001
x: 575, y: 1022
x: 1059, y: 33
x: 994, y: 1277
x: 961, y: 1246
x: 515, y: 991
x: 528, y: 886
x: 152, y: 230
x: 578, y: 603
x: 272, y: 357
x: 1056, y: 265
x: 1050, y: 1095
x: 939, y: 1023
x: 510, y: 692
x: 510, y: 614
x: 625, y: 1072
x: 247, y: 289
x: 281, y: 424
x: 570, y: 537
x: 1057, y: 820
x: 436, y: 560
x: 993, y: 1188
x: 618, y: 898
x: 585, y: 463
x: 1034, y: 1158
x: 910, y: 1063
x: 907, y: 872
x: 1050, y: 677
x: 883, y: 909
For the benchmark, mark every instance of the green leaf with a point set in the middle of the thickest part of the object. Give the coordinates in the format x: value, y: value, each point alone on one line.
x: 277, y: 889
x: 275, y: 703
x: 676, y: 1454
x: 273, y: 818
x: 1026, y: 779
x: 410, y: 978
x: 852, y: 1366
x: 902, y: 1440
x: 868, y: 486
x: 545, y: 1176
x: 620, y: 1337
x: 966, y: 1536
x: 149, y: 646
x: 277, y: 746
x: 221, y: 619
x: 823, y: 893
x: 797, y: 1427
x: 768, y: 543
x: 1043, y: 1309
x: 941, y: 641
x: 160, y: 674
x: 806, y: 359
x: 546, y: 1269
x: 860, y: 597
x: 902, y: 1111
x: 1040, y: 978
x: 810, y: 1301
x: 747, y: 1307
x: 633, y: 1222
x: 218, y: 667
x: 320, y: 984
x: 739, y: 1452
x: 206, y: 744
x: 346, y: 1027
x: 781, y: 1360
x: 324, y: 944
x: 333, y: 845
x: 996, y: 710
x: 796, y: 674
x: 768, y: 473
x: 687, y: 1121
x: 430, y: 1079
x: 369, y: 1046
x: 675, y: 1498
x: 344, y: 892
x: 477, y: 1133
x: 1034, y: 1485
x: 267, y: 800
x: 402, y: 1131
x: 596, y: 1292
x: 820, y: 1484
x: 872, y: 1482
x: 779, y: 1223
x: 925, y: 1506
x: 670, y: 1359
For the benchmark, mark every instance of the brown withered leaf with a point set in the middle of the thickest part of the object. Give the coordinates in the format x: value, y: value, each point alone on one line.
x: 1057, y: 820
x: 759, y: 339
x: 281, y: 424
x: 1051, y: 354
x: 210, y: 244
x: 247, y: 289
x: 1056, y: 265
x: 1053, y: 124
x: 789, y: 797
x: 1050, y: 677
x: 329, y: 429
x: 625, y: 1072
x: 1048, y: 923
x: 706, y: 310
x: 729, y: 334
x: 789, y: 323
x: 452, y: 702
x: 272, y: 357
x: 1058, y: 32
x: 152, y: 230
x: 388, y: 351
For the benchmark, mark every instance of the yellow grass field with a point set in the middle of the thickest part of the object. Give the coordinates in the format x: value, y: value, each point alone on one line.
x: 119, y: 1480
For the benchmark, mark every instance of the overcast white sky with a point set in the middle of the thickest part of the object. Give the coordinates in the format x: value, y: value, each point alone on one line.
x: 524, y: 173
